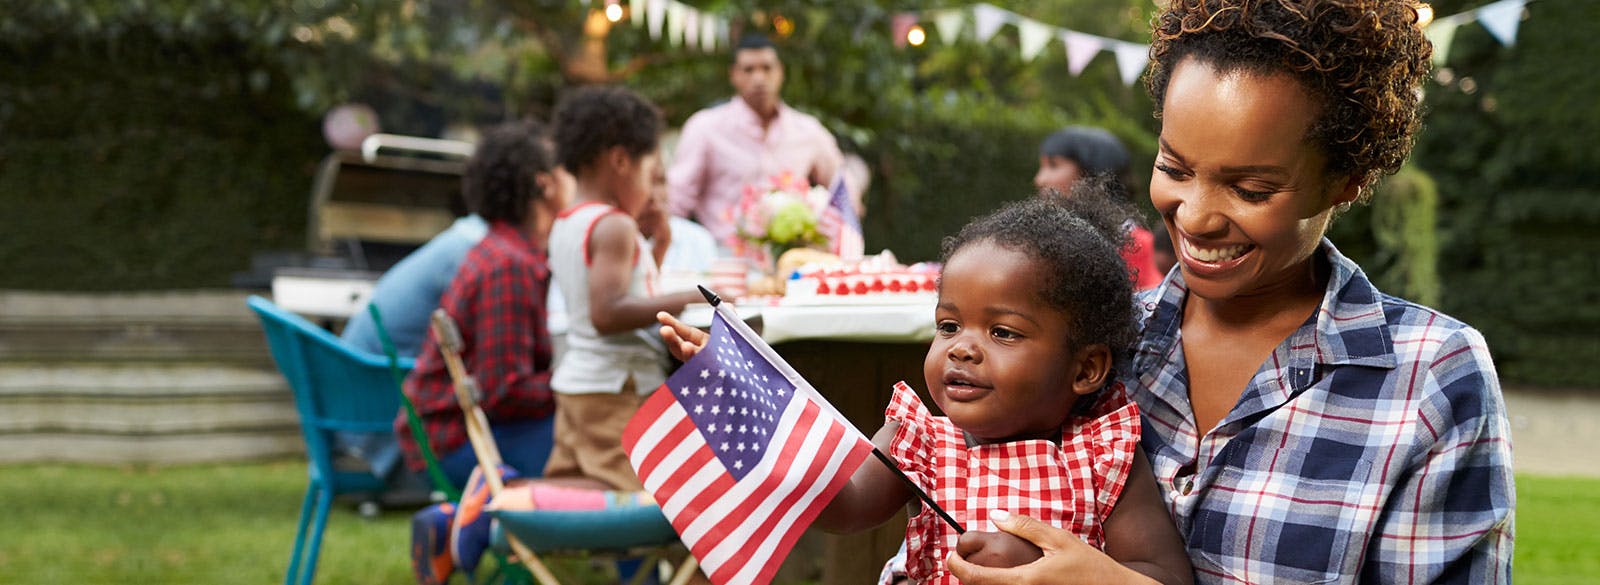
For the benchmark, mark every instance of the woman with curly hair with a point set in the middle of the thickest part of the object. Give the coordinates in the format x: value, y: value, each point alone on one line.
x: 1303, y: 426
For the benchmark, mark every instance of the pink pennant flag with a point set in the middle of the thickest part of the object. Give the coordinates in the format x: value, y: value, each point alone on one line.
x: 1081, y: 49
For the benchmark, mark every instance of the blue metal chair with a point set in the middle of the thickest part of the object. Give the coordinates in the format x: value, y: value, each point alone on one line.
x: 336, y: 389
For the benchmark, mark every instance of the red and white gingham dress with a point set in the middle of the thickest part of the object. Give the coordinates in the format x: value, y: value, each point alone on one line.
x: 1074, y: 485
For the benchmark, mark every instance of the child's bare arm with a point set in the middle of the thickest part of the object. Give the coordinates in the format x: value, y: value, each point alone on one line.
x: 872, y: 496
x: 613, y: 248
x: 1140, y: 533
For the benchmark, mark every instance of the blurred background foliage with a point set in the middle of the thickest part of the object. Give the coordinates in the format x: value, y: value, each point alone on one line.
x: 159, y: 144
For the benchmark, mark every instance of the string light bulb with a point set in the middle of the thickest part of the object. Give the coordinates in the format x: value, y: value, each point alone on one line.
x: 613, y: 11
x: 782, y: 25
x: 916, y: 36
x: 1424, y: 15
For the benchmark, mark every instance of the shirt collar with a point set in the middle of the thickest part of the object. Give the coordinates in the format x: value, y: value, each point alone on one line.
x: 749, y: 115
x: 1350, y: 325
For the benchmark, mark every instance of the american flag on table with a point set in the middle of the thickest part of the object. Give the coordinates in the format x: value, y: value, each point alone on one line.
x: 741, y: 453
x: 838, y: 221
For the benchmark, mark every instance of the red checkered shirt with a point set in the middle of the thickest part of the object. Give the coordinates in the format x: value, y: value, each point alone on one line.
x: 1073, y: 485
x: 497, y: 300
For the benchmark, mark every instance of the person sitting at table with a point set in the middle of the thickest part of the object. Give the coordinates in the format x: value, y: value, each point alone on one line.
x: 1035, y: 310
x: 409, y: 291
x: 746, y: 140
x: 1074, y: 152
x: 497, y: 299
x: 1303, y: 426
x: 606, y: 271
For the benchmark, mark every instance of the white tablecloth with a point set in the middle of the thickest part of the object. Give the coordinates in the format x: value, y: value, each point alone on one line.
x: 330, y: 296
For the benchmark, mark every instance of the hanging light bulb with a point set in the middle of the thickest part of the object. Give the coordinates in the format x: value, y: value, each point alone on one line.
x: 1424, y: 15
x: 613, y: 11
x: 916, y: 36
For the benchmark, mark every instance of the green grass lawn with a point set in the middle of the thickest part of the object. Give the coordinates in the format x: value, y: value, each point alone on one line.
x: 235, y: 524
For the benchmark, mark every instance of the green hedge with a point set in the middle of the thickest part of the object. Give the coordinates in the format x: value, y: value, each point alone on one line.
x: 1516, y: 152
x: 144, y: 163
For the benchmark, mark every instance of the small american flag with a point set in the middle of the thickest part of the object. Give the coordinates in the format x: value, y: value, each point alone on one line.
x: 838, y: 221
x: 741, y: 453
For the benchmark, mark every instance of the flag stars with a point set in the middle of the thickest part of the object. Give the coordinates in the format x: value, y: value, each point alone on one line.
x: 716, y: 410
x: 724, y: 446
x: 701, y: 391
x: 717, y: 392
x: 738, y: 465
x: 705, y: 374
x: 685, y: 390
x: 699, y: 408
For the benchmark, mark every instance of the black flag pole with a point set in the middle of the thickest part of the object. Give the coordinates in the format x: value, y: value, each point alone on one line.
x: 922, y: 496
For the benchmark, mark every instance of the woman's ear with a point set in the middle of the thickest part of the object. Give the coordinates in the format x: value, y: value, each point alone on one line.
x: 1094, y: 365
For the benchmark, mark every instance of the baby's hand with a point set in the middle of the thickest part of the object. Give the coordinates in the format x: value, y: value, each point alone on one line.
x: 996, y: 549
x: 682, y: 340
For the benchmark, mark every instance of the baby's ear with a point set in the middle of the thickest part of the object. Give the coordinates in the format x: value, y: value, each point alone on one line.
x: 1094, y: 364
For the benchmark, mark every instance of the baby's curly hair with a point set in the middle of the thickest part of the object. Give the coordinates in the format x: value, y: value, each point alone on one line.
x: 1364, y: 59
x: 1075, y: 240
x: 593, y: 119
x: 499, y: 182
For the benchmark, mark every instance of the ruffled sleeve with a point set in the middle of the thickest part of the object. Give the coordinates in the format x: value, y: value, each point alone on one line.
x: 911, y: 449
x: 1110, y: 431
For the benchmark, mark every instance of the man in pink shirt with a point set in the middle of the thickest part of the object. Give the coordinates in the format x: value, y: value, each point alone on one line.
x: 745, y: 141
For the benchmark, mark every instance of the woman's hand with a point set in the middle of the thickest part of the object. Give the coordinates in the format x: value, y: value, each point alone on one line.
x: 682, y: 340
x: 1065, y: 560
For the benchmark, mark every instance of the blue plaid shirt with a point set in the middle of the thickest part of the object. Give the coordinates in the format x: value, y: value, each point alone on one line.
x: 1372, y: 446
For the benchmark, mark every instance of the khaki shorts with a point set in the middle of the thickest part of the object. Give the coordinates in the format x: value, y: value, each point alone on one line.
x: 588, y: 437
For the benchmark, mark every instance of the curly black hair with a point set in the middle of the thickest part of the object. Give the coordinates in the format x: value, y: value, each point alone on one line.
x: 499, y: 183
x: 1363, y: 59
x: 1076, y: 241
x: 593, y: 119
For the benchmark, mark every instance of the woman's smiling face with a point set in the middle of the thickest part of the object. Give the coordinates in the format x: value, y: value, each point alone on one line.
x: 1244, y: 193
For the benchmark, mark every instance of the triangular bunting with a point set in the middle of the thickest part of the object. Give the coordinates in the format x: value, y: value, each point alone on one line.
x: 677, y: 17
x: 708, y: 33
x: 1131, y: 60
x: 1081, y: 49
x: 1502, y: 19
x: 949, y: 23
x: 1441, y: 33
x: 899, y: 25
x: 691, y: 28
x: 987, y: 20
x: 1033, y: 35
x: 655, y: 16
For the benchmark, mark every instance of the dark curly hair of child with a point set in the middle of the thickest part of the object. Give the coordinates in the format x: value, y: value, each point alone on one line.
x: 591, y: 120
x: 1363, y: 59
x: 1075, y: 242
x: 499, y: 182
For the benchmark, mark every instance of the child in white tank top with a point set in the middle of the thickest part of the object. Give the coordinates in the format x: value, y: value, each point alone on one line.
x: 608, y: 138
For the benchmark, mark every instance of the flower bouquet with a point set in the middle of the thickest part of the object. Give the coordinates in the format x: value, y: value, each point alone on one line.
x: 776, y: 217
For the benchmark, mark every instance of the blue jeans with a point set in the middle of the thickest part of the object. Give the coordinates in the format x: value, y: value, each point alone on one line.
x: 524, y: 445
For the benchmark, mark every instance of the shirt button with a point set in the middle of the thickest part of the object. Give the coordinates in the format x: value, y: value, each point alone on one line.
x: 1188, y: 485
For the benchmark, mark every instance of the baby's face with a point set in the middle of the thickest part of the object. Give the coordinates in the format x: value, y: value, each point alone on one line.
x: 1000, y: 365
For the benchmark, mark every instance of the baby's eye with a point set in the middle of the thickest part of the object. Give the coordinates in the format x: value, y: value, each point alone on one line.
x: 947, y: 327
x: 1003, y: 333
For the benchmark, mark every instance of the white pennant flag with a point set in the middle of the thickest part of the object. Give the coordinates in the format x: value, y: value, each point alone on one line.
x: 1034, y: 36
x: 949, y: 23
x: 677, y: 17
x: 1442, y: 33
x: 1081, y: 49
x: 987, y: 20
x: 1502, y: 19
x: 656, y: 13
x: 691, y: 29
x: 708, y: 33
x: 1131, y: 60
